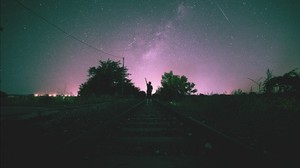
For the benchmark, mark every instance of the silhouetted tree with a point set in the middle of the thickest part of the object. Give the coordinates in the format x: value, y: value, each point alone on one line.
x: 106, y: 79
x: 266, y: 85
x: 174, y: 85
x: 288, y: 83
x: 237, y: 92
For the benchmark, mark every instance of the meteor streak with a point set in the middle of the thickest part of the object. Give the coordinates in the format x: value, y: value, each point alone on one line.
x: 134, y: 40
x: 222, y: 11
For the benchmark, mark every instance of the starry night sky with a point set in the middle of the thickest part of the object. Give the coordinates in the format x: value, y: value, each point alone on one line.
x: 217, y: 44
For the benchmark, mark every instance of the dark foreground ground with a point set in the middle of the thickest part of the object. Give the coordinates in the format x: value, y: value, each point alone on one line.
x: 270, y: 124
x: 28, y: 136
x: 267, y: 124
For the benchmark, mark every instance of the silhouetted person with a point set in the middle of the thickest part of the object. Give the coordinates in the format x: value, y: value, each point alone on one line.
x: 149, y: 90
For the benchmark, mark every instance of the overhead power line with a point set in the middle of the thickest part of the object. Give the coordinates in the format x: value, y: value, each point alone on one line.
x: 65, y: 32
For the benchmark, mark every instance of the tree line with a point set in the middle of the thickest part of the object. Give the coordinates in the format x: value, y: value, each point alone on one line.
x: 288, y: 83
x: 110, y: 78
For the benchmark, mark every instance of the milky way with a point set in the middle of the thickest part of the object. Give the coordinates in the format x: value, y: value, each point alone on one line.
x: 218, y: 45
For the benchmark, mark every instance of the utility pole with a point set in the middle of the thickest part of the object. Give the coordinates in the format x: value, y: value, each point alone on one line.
x: 123, y: 76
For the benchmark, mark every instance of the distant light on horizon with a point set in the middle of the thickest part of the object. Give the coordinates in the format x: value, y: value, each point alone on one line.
x: 53, y: 95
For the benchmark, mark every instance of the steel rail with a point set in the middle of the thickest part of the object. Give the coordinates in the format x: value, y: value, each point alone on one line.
x: 102, y: 127
x: 144, y: 127
x: 261, y: 156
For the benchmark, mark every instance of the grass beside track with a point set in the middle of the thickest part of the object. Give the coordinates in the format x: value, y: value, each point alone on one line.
x: 270, y: 124
x: 24, y: 141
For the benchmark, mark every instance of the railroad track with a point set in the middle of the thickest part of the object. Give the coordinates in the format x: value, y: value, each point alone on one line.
x: 151, y: 135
